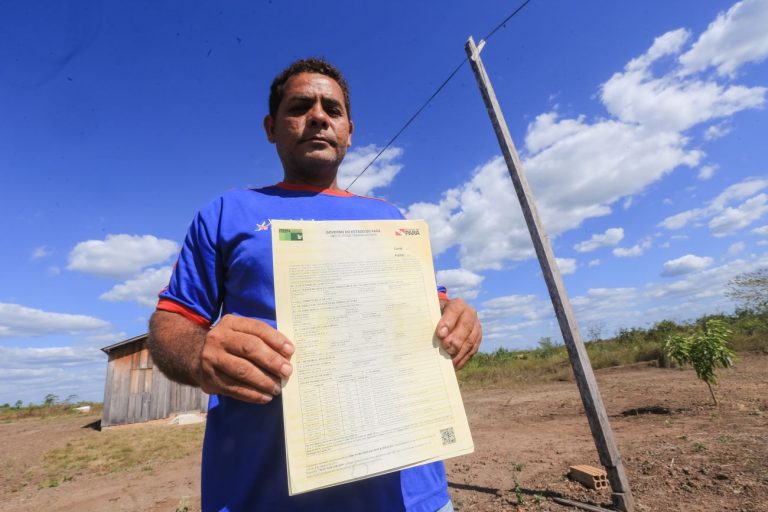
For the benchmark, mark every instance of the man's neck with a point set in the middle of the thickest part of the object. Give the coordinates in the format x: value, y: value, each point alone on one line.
x: 320, y: 181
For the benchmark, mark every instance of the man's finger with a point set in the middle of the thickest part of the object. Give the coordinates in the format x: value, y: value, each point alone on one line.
x: 450, y: 316
x: 255, y: 350
x: 245, y: 373
x: 463, y: 324
x: 223, y: 384
x: 472, y: 344
x: 262, y: 330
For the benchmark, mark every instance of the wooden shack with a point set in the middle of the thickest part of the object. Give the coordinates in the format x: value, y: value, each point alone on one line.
x: 136, y: 391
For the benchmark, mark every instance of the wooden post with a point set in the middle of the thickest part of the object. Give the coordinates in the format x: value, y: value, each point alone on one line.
x: 577, y: 353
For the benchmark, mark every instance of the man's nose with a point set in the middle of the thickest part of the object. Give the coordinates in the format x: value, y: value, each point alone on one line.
x: 318, y: 116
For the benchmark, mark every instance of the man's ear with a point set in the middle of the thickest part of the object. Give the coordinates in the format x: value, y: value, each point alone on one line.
x: 351, y: 129
x: 269, y: 127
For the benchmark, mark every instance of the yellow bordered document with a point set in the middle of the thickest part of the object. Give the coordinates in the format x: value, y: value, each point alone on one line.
x: 372, y: 390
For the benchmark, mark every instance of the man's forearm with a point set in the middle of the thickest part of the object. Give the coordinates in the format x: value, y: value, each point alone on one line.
x: 176, y: 344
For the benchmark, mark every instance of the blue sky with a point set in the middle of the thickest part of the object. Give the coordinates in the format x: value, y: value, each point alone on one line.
x: 642, y: 127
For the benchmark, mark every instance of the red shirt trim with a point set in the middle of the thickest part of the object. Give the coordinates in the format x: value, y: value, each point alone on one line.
x: 312, y: 188
x: 175, y: 307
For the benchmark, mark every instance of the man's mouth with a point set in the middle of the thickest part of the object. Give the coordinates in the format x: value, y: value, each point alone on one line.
x: 320, y: 139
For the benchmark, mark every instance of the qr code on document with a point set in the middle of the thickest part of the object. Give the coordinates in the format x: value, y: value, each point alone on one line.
x: 447, y: 436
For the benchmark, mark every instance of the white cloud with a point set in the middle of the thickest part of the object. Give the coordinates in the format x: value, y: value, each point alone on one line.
x: 460, y: 282
x: 120, y: 256
x: 39, y: 252
x: 711, y: 282
x: 142, y: 288
x: 573, y: 179
x: 735, y: 38
x: 470, y: 216
x: 28, y: 374
x: 527, y: 307
x: 17, y: 320
x: 378, y: 175
x: 667, y: 201
x: 505, y: 316
x: 679, y: 220
x: 716, y: 131
x: 680, y: 299
x: 580, y: 168
x: 718, y: 206
x: 762, y: 230
x: 566, y: 265
x: 547, y: 130
x: 605, y: 298
x: 733, y: 219
x: 736, y: 248
x: 634, y: 251
x: 672, y: 102
x: 707, y: 172
x: 593, y: 263
x: 686, y: 264
x: 612, y: 236
x: 20, y: 358
x: 107, y: 338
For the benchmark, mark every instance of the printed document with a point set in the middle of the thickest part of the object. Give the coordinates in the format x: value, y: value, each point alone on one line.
x: 372, y: 390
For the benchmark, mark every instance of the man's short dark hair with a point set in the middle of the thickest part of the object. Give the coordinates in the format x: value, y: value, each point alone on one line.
x: 310, y: 65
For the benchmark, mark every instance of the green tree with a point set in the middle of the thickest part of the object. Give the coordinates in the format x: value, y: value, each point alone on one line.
x: 18, y: 404
x: 704, y: 349
x: 750, y: 290
x: 50, y: 399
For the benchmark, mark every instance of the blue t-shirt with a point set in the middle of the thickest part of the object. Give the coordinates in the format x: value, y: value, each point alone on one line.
x: 225, y: 266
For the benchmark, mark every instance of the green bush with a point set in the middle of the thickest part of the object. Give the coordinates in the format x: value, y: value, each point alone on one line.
x: 705, y: 350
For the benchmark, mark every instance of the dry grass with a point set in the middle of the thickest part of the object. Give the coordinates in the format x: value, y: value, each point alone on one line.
x: 118, y: 450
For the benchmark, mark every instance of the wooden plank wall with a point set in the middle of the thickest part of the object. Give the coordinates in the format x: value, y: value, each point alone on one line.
x: 136, y: 392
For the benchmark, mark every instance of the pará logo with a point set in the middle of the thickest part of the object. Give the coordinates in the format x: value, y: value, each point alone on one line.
x: 407, y: 232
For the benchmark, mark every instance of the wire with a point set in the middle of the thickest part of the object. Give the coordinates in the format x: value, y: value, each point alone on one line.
x: 445, y: 82
x: 504, y: 23
x: 437, y: 91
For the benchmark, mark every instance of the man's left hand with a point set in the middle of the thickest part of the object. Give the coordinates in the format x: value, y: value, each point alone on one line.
x: 459, y: 331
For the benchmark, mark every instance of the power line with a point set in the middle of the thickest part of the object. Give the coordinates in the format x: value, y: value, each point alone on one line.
x: 437, y: 91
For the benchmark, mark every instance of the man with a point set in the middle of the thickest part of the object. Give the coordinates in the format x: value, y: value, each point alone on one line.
x: 225, y: 268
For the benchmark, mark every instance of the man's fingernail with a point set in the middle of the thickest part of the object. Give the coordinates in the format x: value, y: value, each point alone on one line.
x: 443, y: 331
x: 285, y: 370
x: 277, y: 390
x: 288, y: 349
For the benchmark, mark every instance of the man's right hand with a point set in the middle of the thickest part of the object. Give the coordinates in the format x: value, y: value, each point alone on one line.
x: 244, y: 358
x: 240, y: 357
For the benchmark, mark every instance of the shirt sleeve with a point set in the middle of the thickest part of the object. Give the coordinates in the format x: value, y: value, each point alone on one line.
x: 195, y: 289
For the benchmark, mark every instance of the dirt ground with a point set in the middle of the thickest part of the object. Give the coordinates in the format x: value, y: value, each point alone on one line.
x: 686, y: 455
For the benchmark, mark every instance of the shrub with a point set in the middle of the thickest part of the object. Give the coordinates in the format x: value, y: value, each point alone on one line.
x: 705, y: 350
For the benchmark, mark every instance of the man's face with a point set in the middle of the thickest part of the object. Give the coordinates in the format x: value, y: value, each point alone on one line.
x: 311, y: 130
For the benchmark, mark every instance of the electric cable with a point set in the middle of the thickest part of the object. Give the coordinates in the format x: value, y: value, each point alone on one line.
x: 437, y: 91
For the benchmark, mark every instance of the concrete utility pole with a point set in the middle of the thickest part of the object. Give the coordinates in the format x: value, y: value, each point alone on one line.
x: 577, y: 353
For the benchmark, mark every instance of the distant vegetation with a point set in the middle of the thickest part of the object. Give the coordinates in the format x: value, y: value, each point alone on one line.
x: 549, y: 362
x: 50, y: 407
